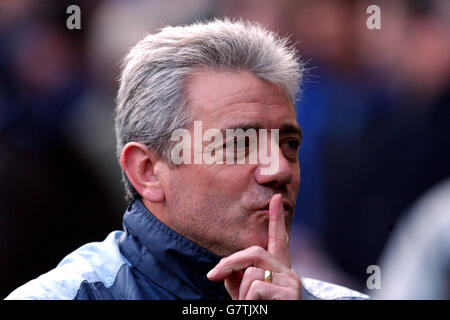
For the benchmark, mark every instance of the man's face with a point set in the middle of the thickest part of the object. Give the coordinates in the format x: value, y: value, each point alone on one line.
x: 224, y: 207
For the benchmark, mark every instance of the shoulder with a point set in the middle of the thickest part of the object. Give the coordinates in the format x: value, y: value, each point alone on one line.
x: 320, y: 290
x: 93, y: 262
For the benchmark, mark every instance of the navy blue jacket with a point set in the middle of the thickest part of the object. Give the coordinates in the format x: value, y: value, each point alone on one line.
x: 147, y: 260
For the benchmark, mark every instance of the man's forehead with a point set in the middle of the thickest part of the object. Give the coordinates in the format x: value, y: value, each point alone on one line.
x: 238, y: 98
x: 229, y: 87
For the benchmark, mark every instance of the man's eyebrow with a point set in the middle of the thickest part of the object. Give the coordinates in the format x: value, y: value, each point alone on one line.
x: 290, y: 128
x: 284, y: 129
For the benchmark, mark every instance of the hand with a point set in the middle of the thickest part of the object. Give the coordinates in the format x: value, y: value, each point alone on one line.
x: 249, y: 284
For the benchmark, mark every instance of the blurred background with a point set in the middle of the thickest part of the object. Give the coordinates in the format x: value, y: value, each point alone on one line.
x: 374, y: 110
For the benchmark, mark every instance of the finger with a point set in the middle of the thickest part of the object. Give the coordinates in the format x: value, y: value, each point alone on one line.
x: 251, y: 274
x: 233, y: 284
x: 260, y: 290
x: 278, y: 242
x: 251, y: 257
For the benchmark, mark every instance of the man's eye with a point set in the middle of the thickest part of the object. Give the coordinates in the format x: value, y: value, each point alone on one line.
x: 290, y: 148
x: 294, y: 144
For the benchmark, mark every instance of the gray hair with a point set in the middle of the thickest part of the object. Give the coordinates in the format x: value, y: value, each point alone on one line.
x: 150, y: 102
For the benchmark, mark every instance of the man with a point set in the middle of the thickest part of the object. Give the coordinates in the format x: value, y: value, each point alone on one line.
x: 203, y: 228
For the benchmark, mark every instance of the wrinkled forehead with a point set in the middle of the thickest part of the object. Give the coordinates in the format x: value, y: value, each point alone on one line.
x: 231, y: 98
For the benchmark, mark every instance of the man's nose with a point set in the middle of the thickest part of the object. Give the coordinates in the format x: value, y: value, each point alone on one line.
x: 278, y: 175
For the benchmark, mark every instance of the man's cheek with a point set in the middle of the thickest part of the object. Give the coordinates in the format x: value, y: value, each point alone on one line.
x: 296, y: 180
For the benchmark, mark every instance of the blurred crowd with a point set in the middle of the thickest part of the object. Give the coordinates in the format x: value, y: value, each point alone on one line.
x: 374, y: 110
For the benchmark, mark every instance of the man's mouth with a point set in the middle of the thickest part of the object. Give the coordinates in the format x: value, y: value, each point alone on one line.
x: 287, y: 207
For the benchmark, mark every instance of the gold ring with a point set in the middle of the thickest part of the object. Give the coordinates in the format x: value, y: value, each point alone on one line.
x: 268, y: 276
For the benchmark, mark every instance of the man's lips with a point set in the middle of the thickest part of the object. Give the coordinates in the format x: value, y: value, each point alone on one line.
x: 287, y: 206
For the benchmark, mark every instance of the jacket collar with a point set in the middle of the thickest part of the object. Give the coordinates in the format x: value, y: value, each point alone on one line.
x: 167, y: 258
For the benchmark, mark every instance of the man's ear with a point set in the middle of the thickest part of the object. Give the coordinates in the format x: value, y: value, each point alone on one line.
x: 141, y: 165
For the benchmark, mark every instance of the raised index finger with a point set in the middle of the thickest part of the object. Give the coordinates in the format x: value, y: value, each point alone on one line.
x: 278, y: 242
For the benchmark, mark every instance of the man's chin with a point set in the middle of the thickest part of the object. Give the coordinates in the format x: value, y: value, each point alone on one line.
x: 259, y: 240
